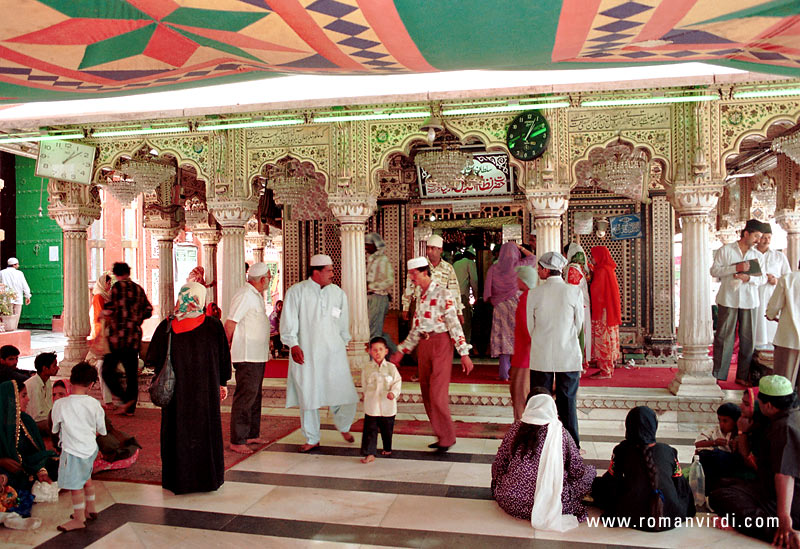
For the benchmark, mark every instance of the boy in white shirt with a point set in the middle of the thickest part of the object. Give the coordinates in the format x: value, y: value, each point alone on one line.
x: 40, y: 390
x: 79, y: 418
x: 719, y: 438
x: 381, y: 383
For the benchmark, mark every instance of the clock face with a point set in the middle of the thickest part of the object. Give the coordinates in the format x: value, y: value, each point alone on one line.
x: 65, y: 160
x: 528, y: 135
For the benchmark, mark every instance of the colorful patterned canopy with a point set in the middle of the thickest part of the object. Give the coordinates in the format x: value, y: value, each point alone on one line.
x: 69, y: 49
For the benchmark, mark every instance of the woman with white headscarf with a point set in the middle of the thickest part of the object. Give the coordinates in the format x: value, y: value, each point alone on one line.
x: 538, y: 473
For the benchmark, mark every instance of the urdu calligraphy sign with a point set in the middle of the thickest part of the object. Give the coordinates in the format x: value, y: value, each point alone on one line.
x: 623, y: 227
x: 494, y: 177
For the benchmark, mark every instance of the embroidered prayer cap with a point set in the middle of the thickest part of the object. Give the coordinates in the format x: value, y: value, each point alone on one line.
x: 754, y: 226
x: 470, y: 250
x: 257, y: 270
x: 553, y: 261
x: 436, y: 241
x: 320, y: 260
x: 527, y: 274
x: 417, y: 263
x: 12, y: 261
x: 375, y: 238
x: 775, y: 385
x: 766, y: 228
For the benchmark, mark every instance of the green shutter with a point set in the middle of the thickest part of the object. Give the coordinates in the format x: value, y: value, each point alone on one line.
x: 35, y: 236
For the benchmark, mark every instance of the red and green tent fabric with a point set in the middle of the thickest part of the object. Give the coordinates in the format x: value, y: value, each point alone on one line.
x: 71, y: 49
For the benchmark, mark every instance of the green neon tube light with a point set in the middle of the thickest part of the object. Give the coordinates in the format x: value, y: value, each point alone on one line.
x: 767, y: 93
x: 140, y: 131
x: 40, y: 137
x: 648, y: 100
x: 251, y: 124
x: 377, y: 116
x: 505, y: 108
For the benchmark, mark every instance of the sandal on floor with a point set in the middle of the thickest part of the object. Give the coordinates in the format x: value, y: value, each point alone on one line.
x: 385, y: 453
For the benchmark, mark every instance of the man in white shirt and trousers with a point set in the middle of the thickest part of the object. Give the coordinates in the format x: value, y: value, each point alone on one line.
x: 315, y: 325
x: 777, y: 265
x: 737, y: 301
x: 247, y: 329
x: 555, y: 318
x: 784, y: 306
x: 14, y: 279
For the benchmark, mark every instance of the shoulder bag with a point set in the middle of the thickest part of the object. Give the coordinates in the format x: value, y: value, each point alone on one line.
x: 162, y: 387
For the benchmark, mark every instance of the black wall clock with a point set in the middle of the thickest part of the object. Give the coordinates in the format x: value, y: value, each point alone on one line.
x: 527, y: 135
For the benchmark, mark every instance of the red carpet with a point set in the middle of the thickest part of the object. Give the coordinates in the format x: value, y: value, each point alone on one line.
x: 146, y: 427
x: 464, y: 429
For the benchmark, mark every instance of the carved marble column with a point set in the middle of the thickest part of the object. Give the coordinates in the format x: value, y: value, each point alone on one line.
x: 695, y: 332
x: 790, y: 222
x: 548, y: 201
x: 74, y: 207
x: 164, y: 223
x: 353, y: 213
x: 232, y: 215
x: 256, y: 240
x: 209, y: 238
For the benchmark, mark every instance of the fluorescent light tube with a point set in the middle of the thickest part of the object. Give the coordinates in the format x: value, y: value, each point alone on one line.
x: 377, y: 116
x: 250, y: 124
x: 42, y: 137
x: 505, y: 108
x: 140, y: 131
x: 648, y: 100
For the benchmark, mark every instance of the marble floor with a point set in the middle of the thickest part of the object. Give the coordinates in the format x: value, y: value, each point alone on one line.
x: 280, y: 498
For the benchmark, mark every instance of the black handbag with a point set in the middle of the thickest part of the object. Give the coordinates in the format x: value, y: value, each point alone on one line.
x: 162, y: 387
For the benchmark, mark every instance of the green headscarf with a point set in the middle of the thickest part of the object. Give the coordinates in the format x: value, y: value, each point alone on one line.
x: 15, y: 424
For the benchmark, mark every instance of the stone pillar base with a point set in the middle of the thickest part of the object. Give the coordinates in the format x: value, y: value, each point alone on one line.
x: 358, y: 358
x: 75, y: 351
x: 693, y: 379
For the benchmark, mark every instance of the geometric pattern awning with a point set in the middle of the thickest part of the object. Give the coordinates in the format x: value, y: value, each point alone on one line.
x: 70, y: 49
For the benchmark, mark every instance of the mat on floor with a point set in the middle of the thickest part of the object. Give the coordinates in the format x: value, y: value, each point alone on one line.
x: 464, y: 429
x: 146, y: 427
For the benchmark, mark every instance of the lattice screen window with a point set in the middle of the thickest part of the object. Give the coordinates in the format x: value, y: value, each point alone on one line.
x: 624, y: 253
x: 332, y: 243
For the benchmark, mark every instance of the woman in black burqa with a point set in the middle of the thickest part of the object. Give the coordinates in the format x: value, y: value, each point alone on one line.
x: 644, y: 481
x: 192, y: 454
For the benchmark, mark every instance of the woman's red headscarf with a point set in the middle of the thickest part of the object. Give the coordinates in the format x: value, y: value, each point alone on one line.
x: 605, y: 289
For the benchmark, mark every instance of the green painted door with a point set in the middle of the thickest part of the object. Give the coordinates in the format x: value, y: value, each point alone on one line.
x: 39, y: 247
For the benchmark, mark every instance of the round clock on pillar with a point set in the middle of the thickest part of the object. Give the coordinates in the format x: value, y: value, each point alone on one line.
x: 528, y: 135
x: 66, y: 160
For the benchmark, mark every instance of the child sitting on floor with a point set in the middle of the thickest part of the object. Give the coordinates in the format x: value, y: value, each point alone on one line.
x: 381, y: 382
x: 79, y: 418
x: 715, y: 448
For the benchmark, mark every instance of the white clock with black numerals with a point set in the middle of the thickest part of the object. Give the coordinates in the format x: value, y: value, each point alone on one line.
x: 66, y: 160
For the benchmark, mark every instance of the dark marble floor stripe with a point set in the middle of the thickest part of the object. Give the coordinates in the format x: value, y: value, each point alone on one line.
x: 360, y: 485
x: 452, y: 456
x: 120, y: 514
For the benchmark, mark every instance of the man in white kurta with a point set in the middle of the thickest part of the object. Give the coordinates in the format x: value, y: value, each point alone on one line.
x: 776, y: 266
x: 315, y: 325
x: 14, y: 279
x: 784, y: 306
x: 737, y: 301
x: 555, y: 317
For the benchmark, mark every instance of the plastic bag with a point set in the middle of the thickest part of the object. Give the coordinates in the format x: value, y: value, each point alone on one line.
x: 45, y: 492
x: 697, y: 481
x: 16, y: 522
x: 162, y: 387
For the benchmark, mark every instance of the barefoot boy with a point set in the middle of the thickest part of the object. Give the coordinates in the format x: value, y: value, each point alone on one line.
x: 79, y: 418
x: 380, y: 381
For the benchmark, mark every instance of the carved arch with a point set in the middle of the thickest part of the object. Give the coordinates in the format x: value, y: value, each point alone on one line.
x: 660, y: 173
x: 763, y: 131
x: 273, y: 156
x: 129, y: 147
x: 314, y: 205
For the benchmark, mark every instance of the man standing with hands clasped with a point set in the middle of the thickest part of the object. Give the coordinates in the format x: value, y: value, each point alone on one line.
x: 247, y: 330
x: 315, y: 325
x: 737, y: 301
x: 434, y: 330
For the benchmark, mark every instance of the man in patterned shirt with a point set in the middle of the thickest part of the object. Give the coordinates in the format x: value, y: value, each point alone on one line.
x: 125, y: 312
x: 380, y: 279
x: 441, y: 272
x: 434, y: 331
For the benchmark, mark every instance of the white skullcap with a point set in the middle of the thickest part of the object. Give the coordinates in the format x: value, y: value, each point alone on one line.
x: 13, y: 260
x: 417, y: 263
x: 257, y: 270
x: 553, y: 261
x: 528, y: 275
x: 320, y: 260
x: 435, y: 241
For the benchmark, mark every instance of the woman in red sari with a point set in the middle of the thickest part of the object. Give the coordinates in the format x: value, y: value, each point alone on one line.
x: 606, y: 316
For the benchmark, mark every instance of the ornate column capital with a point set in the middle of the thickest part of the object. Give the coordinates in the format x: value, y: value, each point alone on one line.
x: 352, y: 207
x: 233, y: 212
x: 73, y: 206
x: 552, y: 202
x: 789, y: 220
x: 164, y: 233
x: 196, y: 214
x: 691, y: 200
x: 208, y: 237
